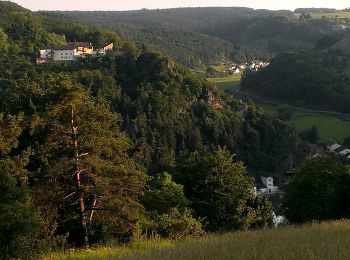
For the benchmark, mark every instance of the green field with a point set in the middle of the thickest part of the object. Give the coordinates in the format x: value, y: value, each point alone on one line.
x: 330, y: 127
x: 329, y: 240
x: 227, y: 83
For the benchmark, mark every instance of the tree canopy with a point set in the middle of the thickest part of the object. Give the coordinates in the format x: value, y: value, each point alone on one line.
x: 319, y: 190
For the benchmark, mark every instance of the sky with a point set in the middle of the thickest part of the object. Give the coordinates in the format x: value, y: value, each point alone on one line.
x: 122, y: 5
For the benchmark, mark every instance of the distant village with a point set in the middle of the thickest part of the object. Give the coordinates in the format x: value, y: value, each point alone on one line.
x: 71, y: 52
x: 253, y: 65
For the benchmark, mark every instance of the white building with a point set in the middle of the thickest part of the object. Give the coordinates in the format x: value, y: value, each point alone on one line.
x: 68, y: 52
x: 344, y: 152
x: 64, y: 53
x: 269, y: 185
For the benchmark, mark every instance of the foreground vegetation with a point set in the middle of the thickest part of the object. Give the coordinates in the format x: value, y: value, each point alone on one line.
x: 329, y: 240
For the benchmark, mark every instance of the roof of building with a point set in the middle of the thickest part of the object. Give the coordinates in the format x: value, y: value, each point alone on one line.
x: 80, y: 44
x: 69, y: 46
x: 340, y: 149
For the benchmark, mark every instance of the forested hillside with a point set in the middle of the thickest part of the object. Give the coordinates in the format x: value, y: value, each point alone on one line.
x: 85, y: 146
x: 245, y: 33
x: 316, y: 80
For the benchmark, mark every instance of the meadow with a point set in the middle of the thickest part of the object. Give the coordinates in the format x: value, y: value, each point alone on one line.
x: 227, y: 83
x: 330, y: 127
x: 328, y: 240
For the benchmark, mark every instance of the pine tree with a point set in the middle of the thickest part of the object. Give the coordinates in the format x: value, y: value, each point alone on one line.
x: 89, y: 178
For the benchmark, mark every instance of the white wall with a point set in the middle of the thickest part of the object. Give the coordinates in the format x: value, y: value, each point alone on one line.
x: 45, y: 54
x: 63, y: 55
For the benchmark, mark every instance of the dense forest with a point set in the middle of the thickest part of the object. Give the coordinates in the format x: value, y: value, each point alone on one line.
x: 126, y: 144
x: 318, y: 80
x: 191, y: 35
x: 131, y: 145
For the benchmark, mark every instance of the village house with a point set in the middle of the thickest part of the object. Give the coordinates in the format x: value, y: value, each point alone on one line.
x: 103, y: 50
x: 332, y: 147
x: 342, y: 150
x: 269, y: 186
x: 316, y: 151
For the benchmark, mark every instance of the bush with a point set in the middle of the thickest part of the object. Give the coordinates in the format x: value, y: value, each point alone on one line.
x: 173, y: 224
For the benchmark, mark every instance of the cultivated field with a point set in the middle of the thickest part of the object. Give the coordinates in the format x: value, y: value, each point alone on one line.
x: 329, y: 240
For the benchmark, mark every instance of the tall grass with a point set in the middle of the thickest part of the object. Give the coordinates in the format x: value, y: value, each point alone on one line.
x: 330, y: 240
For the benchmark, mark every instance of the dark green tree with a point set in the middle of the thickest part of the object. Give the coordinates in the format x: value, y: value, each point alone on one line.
x: 168, y: 214
x: 347, y: 142
x: 19, y: 223
x: 220, y: 191
x: 319, y: 190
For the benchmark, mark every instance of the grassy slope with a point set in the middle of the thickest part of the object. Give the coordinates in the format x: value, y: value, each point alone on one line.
x: 227, y: 83
x: 319, y: 241
x: 330, y: 127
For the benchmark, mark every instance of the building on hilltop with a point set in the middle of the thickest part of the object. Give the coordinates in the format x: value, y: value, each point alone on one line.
x: 103, y: 50
x: 70, y: 52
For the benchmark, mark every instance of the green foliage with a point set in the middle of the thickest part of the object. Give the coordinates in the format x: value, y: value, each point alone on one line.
x: 111, y: 182
x: 164, y: 194
x: 310, y: 135
x: 25, y: 31
x: 177, y: 224
x: 167, y: 213
x: 219, y: 190
x: 347, y: 141
x: 18, y: 220
x: 319, y: 190
x: 3, y: 42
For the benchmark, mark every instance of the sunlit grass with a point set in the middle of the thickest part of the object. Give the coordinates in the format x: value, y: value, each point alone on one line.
x: 227, y: 83
x: 329, y: 240
x: 113, y: 251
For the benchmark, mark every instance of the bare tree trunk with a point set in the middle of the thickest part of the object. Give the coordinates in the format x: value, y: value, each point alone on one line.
x: 78, y: 172
x: 92, y: 210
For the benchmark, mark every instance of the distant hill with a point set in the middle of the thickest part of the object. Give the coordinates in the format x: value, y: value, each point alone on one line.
x: 191, y: 34
x: 310, y: 79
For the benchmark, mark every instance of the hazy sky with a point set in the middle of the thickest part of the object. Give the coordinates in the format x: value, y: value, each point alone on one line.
x: 154, y: 4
